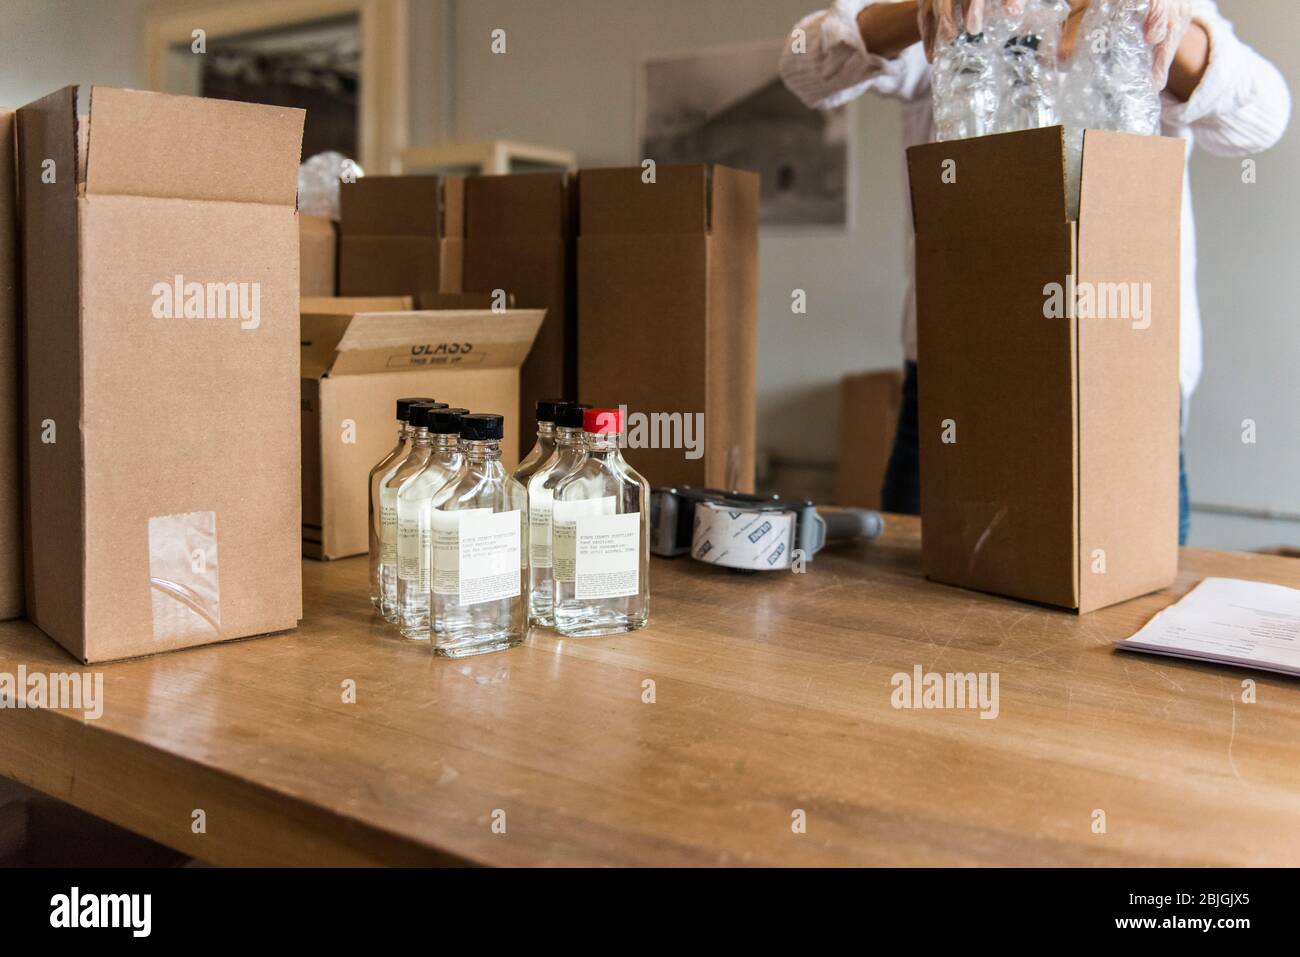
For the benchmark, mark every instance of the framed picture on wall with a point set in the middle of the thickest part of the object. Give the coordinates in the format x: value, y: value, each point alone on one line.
x: 729, y: 106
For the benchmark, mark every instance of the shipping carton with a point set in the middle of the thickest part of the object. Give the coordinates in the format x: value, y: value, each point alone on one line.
x: 11, y: 538
x: 160, y: 322
x: 318, y: 253
x: 358, y: 358
x: 1048, y: 365
x: 668, y: 318
x: 519, y: 237
x: 401, y: 235
x: 869, y: 403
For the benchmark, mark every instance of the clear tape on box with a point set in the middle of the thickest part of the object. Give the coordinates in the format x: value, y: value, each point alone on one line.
x: 183, y: 576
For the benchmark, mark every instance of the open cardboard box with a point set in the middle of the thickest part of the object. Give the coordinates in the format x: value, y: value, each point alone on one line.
x: 1049, y: 441
x: 160, y: 324
x: 11, y: 540
x: 358, y: 357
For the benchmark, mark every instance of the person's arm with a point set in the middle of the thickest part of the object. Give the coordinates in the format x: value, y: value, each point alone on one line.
x: 1234, y: 101
x: 827, y: 61
x: 889, y: 28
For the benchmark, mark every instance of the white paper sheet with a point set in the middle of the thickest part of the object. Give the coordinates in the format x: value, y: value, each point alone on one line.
x: 1229, y: 621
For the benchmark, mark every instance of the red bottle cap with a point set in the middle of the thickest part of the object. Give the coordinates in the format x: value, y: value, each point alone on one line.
x: 602, y: 421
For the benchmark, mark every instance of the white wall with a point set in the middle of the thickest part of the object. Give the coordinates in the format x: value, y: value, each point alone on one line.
x: 49, y: 44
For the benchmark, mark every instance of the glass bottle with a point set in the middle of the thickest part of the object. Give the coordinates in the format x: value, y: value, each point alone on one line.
x: 419, y: 449
x: 569, y: 452
x: 414, y: 534
x: 377, y: 474
x: 545, y: 445
x: 478, y: 520
x: 601, y: 552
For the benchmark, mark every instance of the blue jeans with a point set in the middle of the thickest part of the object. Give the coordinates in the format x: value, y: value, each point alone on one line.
x: 902, y: 489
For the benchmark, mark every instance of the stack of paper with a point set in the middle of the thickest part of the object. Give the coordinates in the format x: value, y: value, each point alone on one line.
x: 1229, y: 621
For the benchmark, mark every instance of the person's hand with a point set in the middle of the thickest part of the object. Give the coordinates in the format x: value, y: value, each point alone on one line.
x: 941, y: 20
x: 1166, y: 24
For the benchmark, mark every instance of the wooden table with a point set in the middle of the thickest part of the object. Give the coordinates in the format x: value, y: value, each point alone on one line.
x: 771, y: 696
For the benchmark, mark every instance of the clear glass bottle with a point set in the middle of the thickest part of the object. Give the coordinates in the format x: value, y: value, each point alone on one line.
x: 478, y: 520
x: 380, y: 472
x: 418, y: 451
x: 601, y: 552
x: 414, y: 533
x: 544, y: 448
x: 570, y: 449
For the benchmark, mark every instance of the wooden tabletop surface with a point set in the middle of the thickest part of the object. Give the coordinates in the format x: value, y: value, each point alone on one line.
x: 770, y: 708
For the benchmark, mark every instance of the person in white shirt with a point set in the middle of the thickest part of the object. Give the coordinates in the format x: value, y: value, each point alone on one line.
x: 1218, y: 94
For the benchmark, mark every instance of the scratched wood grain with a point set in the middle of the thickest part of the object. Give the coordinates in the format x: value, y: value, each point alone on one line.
x: 772, y: 694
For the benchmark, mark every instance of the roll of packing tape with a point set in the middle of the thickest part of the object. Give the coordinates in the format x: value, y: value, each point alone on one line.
x: 752, y: 540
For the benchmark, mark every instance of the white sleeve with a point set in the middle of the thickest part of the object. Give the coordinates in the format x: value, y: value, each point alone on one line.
x: 1242, y: 104
x: 826, y: 63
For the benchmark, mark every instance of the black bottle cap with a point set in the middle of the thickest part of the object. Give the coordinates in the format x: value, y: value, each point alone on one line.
x: 446, y: 421
x: 419, y: 413
x: 481, y: 426
x: 404, y: 406
x: 570, y: 416
x: 548, y: 409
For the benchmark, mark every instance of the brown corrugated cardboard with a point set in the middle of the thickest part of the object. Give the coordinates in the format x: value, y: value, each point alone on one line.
x: 11, y: 539
x: 162, y: 452
x: 401, y: 235
x: 1049, y: 446
x: 667, y: 314
x: 519, y: 238
x: 869, y: 404
x: 318, y: 253
x: 358, y: 357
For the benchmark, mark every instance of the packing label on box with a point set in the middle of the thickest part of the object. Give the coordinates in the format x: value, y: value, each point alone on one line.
x: 539, y: 528
x: 444, y: 527
x: 607, y: 556
x: 413, y: 546
x: 564, y: 530
x: 490, y: 567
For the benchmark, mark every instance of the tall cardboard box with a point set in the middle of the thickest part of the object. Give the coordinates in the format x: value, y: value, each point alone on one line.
x: 161, y: 331
x: 1049, y: 435
x: 668, y: 315
x: 401, y: 235
x: 519, y: 237
x: 357, y: 363
x: 869, y: 404
x: 318, y: 254
x: 11, y: 539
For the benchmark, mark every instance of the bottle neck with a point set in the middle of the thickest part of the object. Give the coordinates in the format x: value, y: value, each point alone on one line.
x: 446, y: 442
x: 483, y: 451
x: 567, y: 438
x: 602, y: 445
x: 404, y: 431
x: 545, y: 430
x: 421, y: 439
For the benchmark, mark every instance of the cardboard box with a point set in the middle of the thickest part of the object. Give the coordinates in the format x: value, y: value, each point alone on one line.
x: 869, y: 403
x: 401, y: 235
x: 519, y: 237
x: 668, y: 316
x: 11, y: 538
x: 358, y: 358
x: 318, y: 253
x: 1049, y: 436
x: 161, y: 448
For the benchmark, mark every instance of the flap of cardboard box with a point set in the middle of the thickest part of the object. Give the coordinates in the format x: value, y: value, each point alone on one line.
x: 184, y: 147
x: 403, y: 206
x: 1033, y: 159
x: 681, y: 199
x: 530, y: 204
x: 397, y: 341
x: 324, y: 319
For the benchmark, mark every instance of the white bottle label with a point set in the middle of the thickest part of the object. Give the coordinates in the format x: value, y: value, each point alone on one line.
x: 539, y: 528
x: 490, y: 567
x: 607, y: 556
x: 387, y: 525
x: 413, y: 544
x: 445, y: 534
x: 564, y: 530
